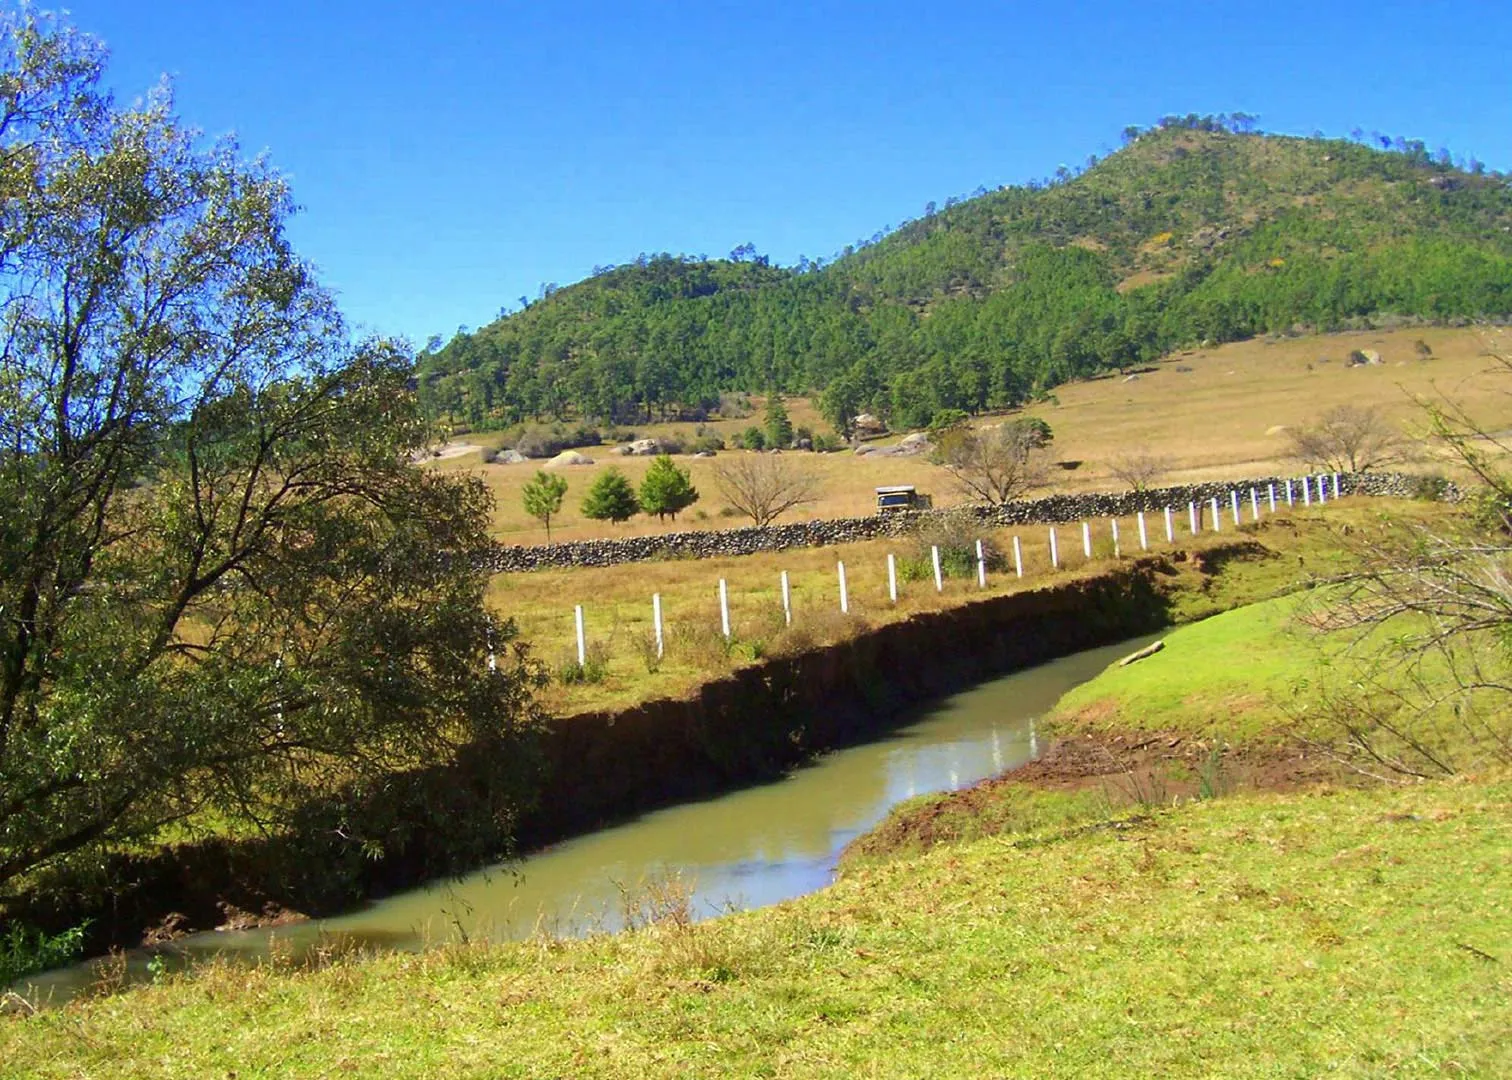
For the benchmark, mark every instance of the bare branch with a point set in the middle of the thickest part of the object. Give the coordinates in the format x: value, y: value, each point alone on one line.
x: 765, y: 486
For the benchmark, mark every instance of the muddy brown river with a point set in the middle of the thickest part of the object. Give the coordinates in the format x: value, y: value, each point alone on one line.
x: 745, y: 849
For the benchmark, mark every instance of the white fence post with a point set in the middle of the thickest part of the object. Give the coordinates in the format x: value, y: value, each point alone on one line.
x: 1288, y: 492
x: 1018, y: 558
x: 1336, y: 485
x: 934, y: 556
x: 844, y: 593
x: 787, y: 599
x: 1322, y: 489
x: 981, y: 566
x: 1217, y: 519
x: 1234, y: 503
x: 1117, y: 553
x: 656, y: 619
x: 724, y: 608
x: 1270, y: 490
x: 892, y: 577
x: 1192, y: 517
x: 1087, y: 539
x: 1254, y: 505
x: 1170, y: 529
x: 1144, y: 541
x: 581, y: 644
x: 1306, y: 492
x: 1054, y: 553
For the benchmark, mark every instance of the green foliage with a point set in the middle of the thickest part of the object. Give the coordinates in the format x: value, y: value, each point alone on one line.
x: 753, y: 438
x: 666, y: 489
x: 24, y: 951
x: 1193, y: 232
x: 610, y: 498
x: 592, y: 670
x: 779, y: 429
x: 956, y: 535
x: 223, y: 582
x: 543, y: 496
x: 946, y: 419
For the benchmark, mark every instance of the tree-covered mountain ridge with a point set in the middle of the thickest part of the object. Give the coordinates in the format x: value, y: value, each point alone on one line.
x: 1192, y: 232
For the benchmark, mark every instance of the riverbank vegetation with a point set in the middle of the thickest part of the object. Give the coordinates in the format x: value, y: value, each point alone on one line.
x: 1362, y: 932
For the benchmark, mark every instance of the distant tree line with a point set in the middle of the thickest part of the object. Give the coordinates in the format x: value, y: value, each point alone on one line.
x: 1197, y: 231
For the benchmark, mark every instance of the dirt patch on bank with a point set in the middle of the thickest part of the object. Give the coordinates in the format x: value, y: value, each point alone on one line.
x: 1121, y: 772
x: 1176, y: 764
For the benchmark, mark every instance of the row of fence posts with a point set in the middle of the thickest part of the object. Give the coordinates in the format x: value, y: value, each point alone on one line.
x: 1195, y: 516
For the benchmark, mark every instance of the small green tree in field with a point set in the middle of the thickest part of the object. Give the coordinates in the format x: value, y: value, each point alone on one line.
x: 666, y: 489
x: 779, y: 429
x: 611, y: 498
x: 543, y: 498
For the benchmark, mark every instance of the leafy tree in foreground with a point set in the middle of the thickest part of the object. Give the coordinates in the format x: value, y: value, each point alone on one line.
x: 543, y: 497
x: 765, y: 486
x: 223, y: 586
x: 666, y: 489
x: 611, y: 498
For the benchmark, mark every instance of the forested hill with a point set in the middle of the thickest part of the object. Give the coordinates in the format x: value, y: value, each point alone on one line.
x: 1189, y: 233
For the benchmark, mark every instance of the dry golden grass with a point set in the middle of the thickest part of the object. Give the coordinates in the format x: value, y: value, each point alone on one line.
x: 1217, y: 420
x: 617, y: 602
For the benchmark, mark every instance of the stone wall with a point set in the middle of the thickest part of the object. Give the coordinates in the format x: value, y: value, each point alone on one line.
x: 1053, y: 509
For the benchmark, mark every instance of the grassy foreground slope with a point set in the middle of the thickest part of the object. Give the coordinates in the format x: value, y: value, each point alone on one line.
x: 1359, y: 933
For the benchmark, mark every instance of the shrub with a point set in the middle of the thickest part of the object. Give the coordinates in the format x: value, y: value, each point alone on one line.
x: 594, y: 667
x: 956, y: 536
x: 541, y: 441
x: 24, y: 951
x: 735, y: 405
x: 753, y: 438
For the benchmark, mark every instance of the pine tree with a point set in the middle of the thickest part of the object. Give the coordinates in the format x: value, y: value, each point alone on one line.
x: 666, y: 489
x: 779, y: 429
x: 543, y: 498
x: 610, y: 498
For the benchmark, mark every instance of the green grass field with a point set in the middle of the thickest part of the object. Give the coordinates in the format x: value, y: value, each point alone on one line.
x: 1356, y: 934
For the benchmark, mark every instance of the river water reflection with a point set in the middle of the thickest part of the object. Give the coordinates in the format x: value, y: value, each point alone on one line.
x: 749, y: 848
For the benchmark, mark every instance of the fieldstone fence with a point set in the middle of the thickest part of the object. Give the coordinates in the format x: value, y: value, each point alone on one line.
x: 1051, y: 510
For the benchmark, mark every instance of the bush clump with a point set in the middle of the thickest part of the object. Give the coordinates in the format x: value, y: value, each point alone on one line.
x: 544, y: 441
x: 956, y: 536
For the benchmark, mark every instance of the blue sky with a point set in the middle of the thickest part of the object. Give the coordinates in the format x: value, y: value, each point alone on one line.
x: 451, y: 157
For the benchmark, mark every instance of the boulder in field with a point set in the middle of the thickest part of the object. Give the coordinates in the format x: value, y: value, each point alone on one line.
x: 568, y: 457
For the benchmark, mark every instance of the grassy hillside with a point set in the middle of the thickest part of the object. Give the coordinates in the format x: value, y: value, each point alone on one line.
x: 1360, y: 933
x: 1186, y: 235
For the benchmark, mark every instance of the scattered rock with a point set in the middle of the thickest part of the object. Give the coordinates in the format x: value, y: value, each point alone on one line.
x: 917, y: 443
x: 642, y: 448
x: 869, y: 424
x: 568, y: 457
x: 510, y: 457
x: 1276, y: 429
x: 704, y: 453
x: 1131, y: 378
